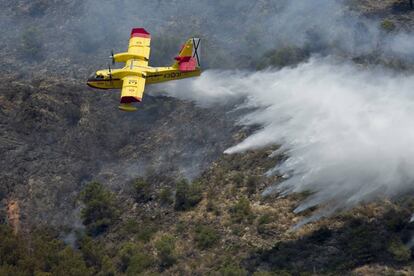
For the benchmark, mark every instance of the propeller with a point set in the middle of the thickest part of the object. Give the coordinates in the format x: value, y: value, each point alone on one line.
x: 196, y: 44
x: 112, y: 57
x: 110, y: 73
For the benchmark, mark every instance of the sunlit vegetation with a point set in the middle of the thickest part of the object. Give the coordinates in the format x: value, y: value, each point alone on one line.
x: 133, y: 260
x: 43, y: 254
x: 241, y: 211
x: 166, y: 251
x: 206, y: 236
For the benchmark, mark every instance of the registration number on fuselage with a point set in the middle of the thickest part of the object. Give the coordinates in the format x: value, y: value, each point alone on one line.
x: 172, y: 75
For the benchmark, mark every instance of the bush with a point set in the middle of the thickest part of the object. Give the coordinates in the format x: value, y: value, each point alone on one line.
x: 186, y: 195
x: 70, y: 263
x: 138, y: 263
x: 262, y: 221
x: 166, y: 251
x: 251, y: 184
x: 93, y: 253
x: 146, y: 232
x: 166, y: 196
x: 232, y: 270
x: 206, y: 236
x: 142, y: 190
x: 399, y: 251
x: 126, y: 252
x: 388, y: 25
x: 99, y: 212
x: 241, y: 211
x: 238, y: 179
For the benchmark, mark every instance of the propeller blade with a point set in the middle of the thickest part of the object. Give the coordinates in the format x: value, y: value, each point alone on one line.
x: 110, y: 73
x: 196, y: 44
x: 113, y: 57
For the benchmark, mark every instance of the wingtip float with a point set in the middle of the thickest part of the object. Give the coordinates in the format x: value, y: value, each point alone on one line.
x: 136, y: 73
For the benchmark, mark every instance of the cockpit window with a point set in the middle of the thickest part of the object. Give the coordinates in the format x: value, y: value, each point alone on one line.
x: 95, y: 76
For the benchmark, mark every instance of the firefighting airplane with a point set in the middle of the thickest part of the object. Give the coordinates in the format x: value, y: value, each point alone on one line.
x: 136, y: 72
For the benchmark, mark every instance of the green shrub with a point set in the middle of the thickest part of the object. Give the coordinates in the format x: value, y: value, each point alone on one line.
x: 206, y: 236
x: 166, y: 196
x: 130, y: 226
x: 399, y: 251
x: 146, y: 232
x: 99, y: 211
x: 70, y: 263
x: 232, y: 270
x: 126, y: 252
x: 180, y: 227
x: 92, y: 251
x: 41, y: 253
x: 238, y: 179
x: 138, y: 263
x: 388, y: 25
x: 143, y: 230
x: 251, y: 184
x: 211, y: 205
x: 142, y: 190
x: 166, y: 251
x: 187, y: 195
x: 262, y: 221
x: 241, y: 211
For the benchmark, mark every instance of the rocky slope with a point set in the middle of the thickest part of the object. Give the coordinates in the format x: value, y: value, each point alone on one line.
x: 57, y: 134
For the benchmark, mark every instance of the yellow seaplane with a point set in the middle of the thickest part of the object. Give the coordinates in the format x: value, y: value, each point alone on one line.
x: 136, y: 73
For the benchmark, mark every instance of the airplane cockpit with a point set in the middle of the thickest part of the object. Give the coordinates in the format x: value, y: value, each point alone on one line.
x: 95, y: 76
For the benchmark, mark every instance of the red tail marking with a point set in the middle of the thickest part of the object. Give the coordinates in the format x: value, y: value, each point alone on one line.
x: 140, y: 32
x: 187, y: 63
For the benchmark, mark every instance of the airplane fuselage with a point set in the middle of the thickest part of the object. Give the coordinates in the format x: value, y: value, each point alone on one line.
x: 152, y: 75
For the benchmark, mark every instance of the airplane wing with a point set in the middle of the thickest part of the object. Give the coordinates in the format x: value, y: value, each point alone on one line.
x: 139, y: 44
x: 132, y: 91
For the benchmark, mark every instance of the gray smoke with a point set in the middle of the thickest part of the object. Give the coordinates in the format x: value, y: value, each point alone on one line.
x: 236, y: 34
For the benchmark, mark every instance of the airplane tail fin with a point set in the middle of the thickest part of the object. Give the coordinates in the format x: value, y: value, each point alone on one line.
x: 189, y: 57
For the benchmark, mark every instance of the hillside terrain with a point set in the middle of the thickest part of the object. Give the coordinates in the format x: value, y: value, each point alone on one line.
x: 88, y: 190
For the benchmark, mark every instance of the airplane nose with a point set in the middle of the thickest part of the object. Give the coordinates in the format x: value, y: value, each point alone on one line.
x: 89, y: 82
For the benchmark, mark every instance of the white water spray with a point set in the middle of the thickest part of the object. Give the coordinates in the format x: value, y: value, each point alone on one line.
x: 348, y: 131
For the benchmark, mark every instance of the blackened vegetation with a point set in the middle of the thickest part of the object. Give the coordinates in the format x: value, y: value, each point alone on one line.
x: 358, y: 242
x: 57, y: 135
